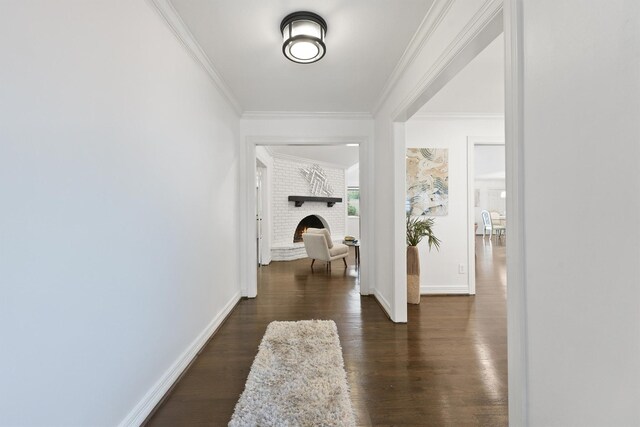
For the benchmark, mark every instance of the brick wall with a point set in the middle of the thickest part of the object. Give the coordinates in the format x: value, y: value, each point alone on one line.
x: 288, y: 181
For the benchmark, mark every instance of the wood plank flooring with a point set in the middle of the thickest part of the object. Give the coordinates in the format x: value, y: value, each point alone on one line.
x: 446, y: 367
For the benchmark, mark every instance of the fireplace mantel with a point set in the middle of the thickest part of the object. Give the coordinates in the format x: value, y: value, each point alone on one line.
x: 299, y: 200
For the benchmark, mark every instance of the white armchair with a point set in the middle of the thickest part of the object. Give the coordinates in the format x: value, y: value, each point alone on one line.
x: 318, y: 243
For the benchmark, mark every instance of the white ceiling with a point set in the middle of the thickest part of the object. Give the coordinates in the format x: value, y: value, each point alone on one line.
x: 341, y: 155
x: 365, y: 40
x: 478, y: 88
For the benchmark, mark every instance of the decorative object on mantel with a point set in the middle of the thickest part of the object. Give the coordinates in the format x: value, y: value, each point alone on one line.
x: 330, y: 201
x: 318, y: 181
x: 428, y: 181
x: 417, y: 228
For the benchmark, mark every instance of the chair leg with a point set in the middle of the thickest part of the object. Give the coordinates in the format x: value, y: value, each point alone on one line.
x: 312, y: 261
x: 345, y: 262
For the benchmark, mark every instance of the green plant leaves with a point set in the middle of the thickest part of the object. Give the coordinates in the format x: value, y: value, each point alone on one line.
x: 418, y: 228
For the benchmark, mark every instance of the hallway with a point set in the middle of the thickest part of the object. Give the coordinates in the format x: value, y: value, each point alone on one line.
x: 448, y: 365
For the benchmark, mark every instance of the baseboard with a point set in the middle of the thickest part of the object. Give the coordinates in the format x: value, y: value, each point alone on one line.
x: 142, y: 410
x: 383, y: 303
x: 444, y: 290
x: 266, y: 260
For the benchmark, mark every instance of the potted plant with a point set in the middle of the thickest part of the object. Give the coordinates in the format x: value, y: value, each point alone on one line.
x: 417, y: 229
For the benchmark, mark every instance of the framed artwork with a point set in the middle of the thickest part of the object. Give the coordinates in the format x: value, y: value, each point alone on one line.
x: 427, y: 181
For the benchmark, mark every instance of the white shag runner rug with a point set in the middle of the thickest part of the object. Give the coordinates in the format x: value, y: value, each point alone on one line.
x: 297, y: 379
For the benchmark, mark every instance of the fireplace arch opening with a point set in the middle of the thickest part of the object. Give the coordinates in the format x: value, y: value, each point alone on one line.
x: 311, y: 221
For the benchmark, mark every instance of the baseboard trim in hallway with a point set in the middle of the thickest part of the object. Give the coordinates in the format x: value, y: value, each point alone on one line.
x: 444, y: 290
x: 446, y: 366
x: 156, y: 395
x: 383, y: 303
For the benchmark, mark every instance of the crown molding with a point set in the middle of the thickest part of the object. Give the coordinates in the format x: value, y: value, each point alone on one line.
x: 177, y: 26
x: 457, y: 116
x: 485, y: 15
x: 427, y: 27
x: 284, y: 115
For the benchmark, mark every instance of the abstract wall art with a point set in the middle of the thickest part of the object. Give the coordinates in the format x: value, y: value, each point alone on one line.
x: 318, y: 181
x: 427, y: 181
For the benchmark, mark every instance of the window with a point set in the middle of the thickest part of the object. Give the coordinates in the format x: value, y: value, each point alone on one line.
x: 353, y: 201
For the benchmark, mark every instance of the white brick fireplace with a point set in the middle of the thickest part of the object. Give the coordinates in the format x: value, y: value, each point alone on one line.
x: 289, y: 181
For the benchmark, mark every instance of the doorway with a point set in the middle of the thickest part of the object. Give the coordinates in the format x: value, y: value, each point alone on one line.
x: 279, y: 174
x: 486, y: 173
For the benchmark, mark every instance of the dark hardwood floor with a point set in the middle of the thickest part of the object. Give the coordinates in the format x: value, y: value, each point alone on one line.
x: 446, y: 367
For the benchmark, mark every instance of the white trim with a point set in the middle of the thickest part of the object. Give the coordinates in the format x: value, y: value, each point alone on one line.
x: 367, y: 236
x: 142, y: 410
x: 496, y: 178
x: 264, y: 157
x: 486, y: 140
x: 427, y: 27
x: 247, y: 202
x: 247, y: 253
x: 481, y: 30
x: 457, y: 116
x: 286, y: 115
x: 472, y: 141
x: 471, y: 232
x: 383, y: 302
x: 517, y: 331
x: 399, y: 225
x: 443, y: 290
x: 193, y: 48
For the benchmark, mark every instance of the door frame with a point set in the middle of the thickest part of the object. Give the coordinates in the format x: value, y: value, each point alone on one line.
x: 507, y: 16
x: 248, y: 260
x: 472, y: 142
x: 516, y: 237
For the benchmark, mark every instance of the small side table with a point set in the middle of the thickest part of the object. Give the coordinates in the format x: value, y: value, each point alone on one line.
x: 356, y: 245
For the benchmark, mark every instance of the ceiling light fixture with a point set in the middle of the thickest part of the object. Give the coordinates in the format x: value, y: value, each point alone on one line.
x: 303, y: 37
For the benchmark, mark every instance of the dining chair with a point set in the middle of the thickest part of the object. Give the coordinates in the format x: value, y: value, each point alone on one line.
x: 489, y: 226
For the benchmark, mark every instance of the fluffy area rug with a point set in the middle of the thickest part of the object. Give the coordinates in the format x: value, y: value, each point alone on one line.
x: 297, y: 379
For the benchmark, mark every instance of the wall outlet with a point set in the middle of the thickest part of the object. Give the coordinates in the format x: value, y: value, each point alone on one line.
x: 460, y: 268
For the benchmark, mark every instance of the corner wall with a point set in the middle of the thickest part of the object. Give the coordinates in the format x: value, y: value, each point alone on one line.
x: 452, y: 33
x: 440, y: 268
x: 119, y: 184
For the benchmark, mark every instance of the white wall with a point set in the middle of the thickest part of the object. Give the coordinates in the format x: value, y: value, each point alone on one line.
x: 267, y: 217
x: 118, y: 180
x: 429, y: 62
x: 581, y: 146
x: 439, y: 269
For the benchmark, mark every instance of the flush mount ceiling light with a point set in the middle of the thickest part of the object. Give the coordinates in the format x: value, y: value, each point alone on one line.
x: 303, y: 37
